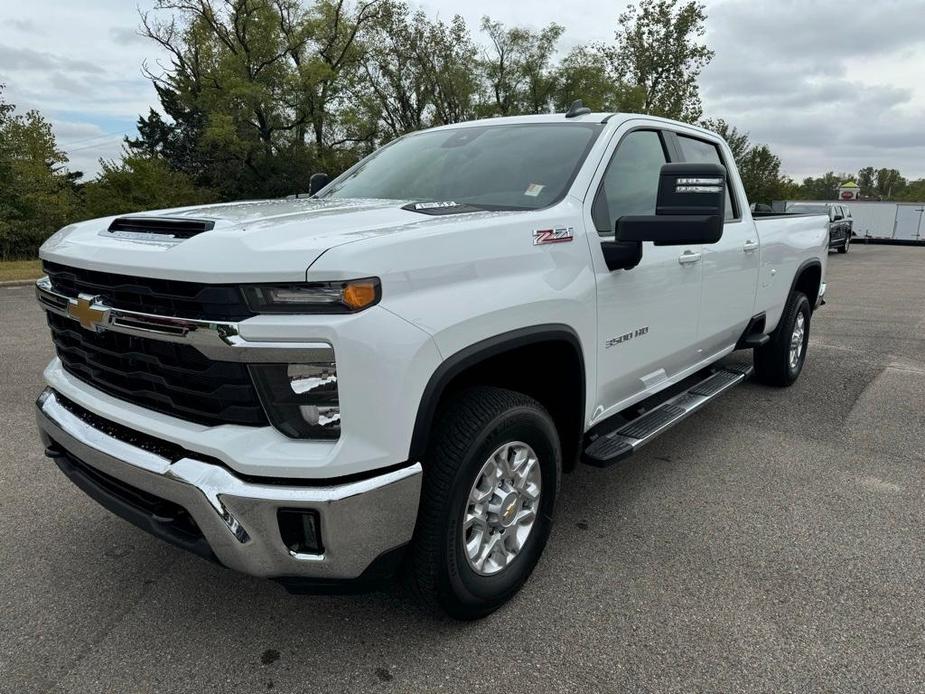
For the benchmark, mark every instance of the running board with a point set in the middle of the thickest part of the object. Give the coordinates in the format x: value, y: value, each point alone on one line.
x: 614, y: 446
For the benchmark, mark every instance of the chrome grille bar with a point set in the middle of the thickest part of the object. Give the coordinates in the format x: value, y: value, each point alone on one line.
x: 218, y: 340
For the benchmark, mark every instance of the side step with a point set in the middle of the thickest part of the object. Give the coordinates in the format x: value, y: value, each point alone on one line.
x: 616, y: 445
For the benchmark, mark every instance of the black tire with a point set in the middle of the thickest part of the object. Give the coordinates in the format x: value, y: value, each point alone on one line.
x: 844, y: 247
x: 469, y: 428
x: 772, y: 361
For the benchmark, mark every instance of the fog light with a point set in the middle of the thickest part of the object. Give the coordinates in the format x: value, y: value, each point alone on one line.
x: 300, y: 530
x: 301, y: 400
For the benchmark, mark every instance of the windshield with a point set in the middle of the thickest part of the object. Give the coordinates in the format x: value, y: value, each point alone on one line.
x: 504, y: 167
x: 808, y: 209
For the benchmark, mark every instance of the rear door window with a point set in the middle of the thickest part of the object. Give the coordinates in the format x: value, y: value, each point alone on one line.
x: 701, y: 152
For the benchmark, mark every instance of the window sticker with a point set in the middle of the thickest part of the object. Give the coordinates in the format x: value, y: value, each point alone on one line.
x: 534, y: 189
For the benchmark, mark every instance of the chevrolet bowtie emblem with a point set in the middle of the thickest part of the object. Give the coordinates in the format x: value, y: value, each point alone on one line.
x: 88, y: 311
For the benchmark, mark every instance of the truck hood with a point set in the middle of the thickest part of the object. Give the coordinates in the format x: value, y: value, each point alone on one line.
x: 252, y: 241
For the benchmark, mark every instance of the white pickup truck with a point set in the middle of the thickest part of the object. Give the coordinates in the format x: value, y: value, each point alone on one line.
x: 394, y: 372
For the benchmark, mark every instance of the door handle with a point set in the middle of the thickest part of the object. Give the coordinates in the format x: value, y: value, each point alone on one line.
x: 750, y: 246
x: 688, y: 257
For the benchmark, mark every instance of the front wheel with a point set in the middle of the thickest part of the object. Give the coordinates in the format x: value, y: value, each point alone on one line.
x: 491, y: 476
x: 780, y: 361
x: 844, y: 247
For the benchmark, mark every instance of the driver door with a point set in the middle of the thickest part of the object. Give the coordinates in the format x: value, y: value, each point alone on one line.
x: 647, y: 316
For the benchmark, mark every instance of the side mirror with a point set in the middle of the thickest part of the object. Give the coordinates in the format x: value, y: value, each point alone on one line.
x: 317, y: 182
x: 690, y: 208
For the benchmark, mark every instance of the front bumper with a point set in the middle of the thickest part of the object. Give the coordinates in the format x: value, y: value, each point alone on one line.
x: 361, y: 521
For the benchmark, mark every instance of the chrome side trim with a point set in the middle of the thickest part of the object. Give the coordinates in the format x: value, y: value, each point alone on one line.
x: 217, y: 340
x: 359, y: 520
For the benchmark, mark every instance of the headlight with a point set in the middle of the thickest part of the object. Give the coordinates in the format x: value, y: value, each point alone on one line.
x: 315, y: 297
x: 301, y: 400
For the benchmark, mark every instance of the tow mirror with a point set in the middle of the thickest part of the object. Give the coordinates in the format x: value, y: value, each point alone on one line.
x: 317, y: 182
x: 690, y: 208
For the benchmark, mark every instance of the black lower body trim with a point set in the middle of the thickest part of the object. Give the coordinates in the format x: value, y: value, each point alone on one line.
x: 163, y: 519
x: 378, y: 575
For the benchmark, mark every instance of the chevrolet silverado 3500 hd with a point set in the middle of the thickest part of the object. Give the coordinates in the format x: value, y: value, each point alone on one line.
x: 394, y: 372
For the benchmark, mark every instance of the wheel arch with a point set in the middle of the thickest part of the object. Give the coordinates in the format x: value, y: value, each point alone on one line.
x: 506, y: 360
x: 808, y: 279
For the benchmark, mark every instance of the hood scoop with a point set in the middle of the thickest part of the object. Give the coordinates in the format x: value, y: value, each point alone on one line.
x: 159, y: 228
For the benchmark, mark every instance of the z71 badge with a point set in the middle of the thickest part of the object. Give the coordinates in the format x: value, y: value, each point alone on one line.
x: 559, y: 235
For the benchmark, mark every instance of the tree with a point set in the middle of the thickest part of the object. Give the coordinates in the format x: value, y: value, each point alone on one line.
x: 866, y: 182
x: 263, y: 87
x: 396, y: 87
x: 657, y: 47
x: 179, y: 141
x: 761, y: 176
x: 823, y: 188
x: 37, y: 195
x: 913, y: 191
x: 140, y: 182
x: 417, y: 73
x: 584, y: 74
x: 889, y: 183
x: 448, y: 57
x: 738, y: 141
x: 518, y: 67
x: 759, y: 167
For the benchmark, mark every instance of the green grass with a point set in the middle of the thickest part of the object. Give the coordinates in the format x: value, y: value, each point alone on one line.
x: 20, y: 270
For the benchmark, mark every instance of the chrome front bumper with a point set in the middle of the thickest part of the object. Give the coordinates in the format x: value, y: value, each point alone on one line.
x: 360, y: 521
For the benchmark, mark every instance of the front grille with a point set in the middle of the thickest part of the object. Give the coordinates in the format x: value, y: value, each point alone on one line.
x: 171, y: 378
x: 216, y: 302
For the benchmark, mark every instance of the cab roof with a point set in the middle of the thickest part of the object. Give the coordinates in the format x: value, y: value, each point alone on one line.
x: 613, y: 119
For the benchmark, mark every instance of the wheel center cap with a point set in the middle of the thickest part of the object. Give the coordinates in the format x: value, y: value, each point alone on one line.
x: 509, y: 506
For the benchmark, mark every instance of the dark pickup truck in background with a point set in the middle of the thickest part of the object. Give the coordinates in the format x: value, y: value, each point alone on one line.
x: 840, y: 222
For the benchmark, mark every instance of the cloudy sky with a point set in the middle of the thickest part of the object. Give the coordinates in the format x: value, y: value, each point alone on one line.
x: 828, y: 84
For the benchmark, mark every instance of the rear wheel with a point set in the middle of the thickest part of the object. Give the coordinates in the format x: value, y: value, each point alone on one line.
x: 780, y: 361
x: 490, y: 482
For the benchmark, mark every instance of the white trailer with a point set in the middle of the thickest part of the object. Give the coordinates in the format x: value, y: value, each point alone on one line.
x: 895, y: 221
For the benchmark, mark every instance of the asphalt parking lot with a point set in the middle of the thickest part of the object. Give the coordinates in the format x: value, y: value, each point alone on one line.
x: 774, y: 541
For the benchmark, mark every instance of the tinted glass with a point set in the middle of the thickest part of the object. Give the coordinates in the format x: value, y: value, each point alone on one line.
x: 700, y: 152
x: 630, y: 184
x: 808, y: 209
x: 492, y: 166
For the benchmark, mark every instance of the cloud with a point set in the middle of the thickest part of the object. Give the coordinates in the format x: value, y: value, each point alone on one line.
x: 797, y: 76
x: 126, y: 36
x: 827, y: 84
x: 29, y: 60
x: 27, y: 26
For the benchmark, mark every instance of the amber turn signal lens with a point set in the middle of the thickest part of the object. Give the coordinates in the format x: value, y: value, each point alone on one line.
x: 358, y: 295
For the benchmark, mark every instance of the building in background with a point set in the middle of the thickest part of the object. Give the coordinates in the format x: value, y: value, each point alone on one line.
x: 849, y: 190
